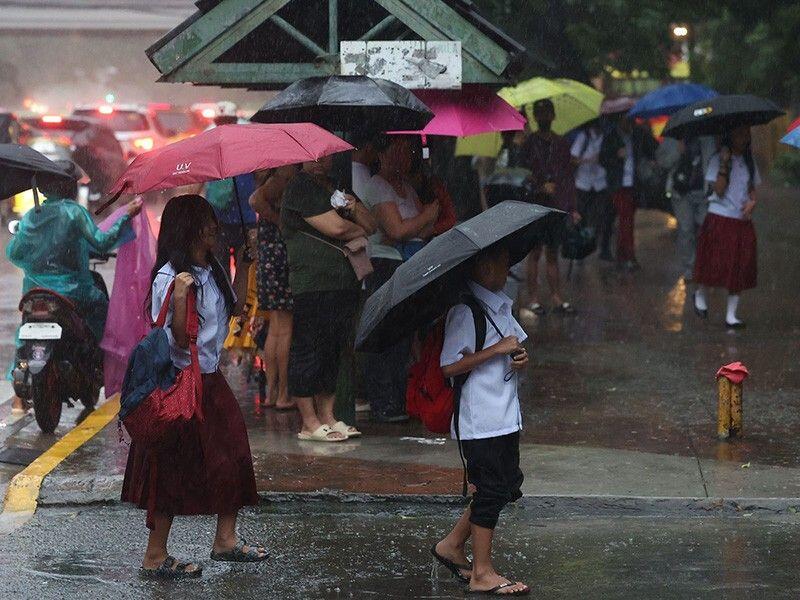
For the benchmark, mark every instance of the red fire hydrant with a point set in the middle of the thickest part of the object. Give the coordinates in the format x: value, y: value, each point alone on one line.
x: 729, y: 400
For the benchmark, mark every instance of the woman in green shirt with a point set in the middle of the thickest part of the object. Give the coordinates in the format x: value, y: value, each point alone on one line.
x: 325, y: 291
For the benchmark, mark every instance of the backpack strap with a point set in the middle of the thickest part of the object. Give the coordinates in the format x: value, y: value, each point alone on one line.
x: 480, y: 318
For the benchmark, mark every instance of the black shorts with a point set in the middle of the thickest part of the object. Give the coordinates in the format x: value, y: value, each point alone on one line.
x: 323, y: 326
x: 493, y: 468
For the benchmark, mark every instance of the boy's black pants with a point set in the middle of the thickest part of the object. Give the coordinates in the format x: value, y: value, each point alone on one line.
x: 493, y: 468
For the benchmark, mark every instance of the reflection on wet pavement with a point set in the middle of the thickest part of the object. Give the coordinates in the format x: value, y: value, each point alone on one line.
x: 322, y: 550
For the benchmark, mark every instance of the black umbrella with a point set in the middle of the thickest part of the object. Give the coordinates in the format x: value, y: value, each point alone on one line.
x: 718, y: 115
x: 347, y: 103
x: 426, y: 285
x: 21, y: 167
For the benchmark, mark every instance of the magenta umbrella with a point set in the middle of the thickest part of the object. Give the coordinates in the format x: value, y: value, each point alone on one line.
x: 469, y: 111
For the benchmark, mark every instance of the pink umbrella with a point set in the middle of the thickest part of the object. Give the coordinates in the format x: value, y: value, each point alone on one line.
x: 227, y: 151
x: 469, y: 111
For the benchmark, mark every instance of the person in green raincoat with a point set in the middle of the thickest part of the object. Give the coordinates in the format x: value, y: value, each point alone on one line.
x: 52, y: 247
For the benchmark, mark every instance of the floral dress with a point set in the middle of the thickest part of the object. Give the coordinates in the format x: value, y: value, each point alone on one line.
x: 273, y: 269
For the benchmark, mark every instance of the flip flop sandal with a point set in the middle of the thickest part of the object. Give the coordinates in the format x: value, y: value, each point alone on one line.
x: 537, y: 308
x: 255, y: 553
x: 172, y: 569
x: 345, y: 429
x: 321, y: 435
x: 454, y: 568
x: 495, y: 591
x: 565, y: 308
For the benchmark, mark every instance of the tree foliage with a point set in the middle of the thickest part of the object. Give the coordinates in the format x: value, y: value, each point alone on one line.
x: 738, y: 45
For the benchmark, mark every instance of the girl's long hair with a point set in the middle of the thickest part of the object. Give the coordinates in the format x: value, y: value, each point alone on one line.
x: 747, y: 155
x: 182, y: 222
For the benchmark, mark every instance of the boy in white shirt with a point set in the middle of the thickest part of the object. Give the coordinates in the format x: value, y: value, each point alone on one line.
x: 489, y: 421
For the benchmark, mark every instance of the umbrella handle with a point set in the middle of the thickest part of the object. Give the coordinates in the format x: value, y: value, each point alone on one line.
x: 113, y: 199
x: 36, y: 202
x: 248, y: 257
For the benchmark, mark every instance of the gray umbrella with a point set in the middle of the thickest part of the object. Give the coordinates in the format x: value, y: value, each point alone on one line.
x: 715, y: 116
x: 347, y: 103
x: 426, y: 285
x: 21, y: 167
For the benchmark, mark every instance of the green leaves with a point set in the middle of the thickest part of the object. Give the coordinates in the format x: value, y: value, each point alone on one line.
x: 737, y: 45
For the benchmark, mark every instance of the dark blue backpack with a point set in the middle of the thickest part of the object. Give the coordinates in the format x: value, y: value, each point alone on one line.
x: 149, y: 367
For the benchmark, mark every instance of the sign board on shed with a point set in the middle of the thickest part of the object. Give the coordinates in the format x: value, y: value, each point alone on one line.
x: 412, y: 64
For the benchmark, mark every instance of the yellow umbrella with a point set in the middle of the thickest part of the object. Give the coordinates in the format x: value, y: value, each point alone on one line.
x: 575, y: 104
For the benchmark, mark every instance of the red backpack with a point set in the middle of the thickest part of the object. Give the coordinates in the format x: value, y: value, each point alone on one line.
x: 429, y: 396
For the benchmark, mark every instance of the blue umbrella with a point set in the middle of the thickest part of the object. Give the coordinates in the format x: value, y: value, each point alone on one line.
x: 792, y: 138
x: 670, y: 99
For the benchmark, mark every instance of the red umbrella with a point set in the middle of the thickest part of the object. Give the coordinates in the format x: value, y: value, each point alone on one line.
x: 227, y: 151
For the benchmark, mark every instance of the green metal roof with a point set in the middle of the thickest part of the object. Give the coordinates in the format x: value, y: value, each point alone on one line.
x: 264, y: 44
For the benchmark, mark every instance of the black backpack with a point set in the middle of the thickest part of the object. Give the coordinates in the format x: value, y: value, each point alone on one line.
x: 688, y: 175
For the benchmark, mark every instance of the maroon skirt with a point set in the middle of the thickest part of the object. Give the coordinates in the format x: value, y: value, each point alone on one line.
x: 205, y: 469
x: 726, y: 254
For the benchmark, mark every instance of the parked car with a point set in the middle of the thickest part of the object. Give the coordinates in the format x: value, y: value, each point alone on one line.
x: 135, y: 127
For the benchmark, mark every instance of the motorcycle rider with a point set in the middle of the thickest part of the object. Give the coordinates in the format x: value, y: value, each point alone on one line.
x: 52, y: 247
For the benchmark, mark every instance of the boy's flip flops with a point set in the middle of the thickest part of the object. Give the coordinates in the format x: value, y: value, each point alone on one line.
x: 451, y: 566
x: 495, y: 591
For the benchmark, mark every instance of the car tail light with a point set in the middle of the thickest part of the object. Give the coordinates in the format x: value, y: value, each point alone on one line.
x: 145, y: 143
x: 209, y: 113
x: 52, y: 119
x: 105, y: 109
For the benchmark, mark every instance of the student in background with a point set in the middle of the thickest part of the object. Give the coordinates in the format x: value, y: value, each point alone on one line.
x: 594, y: 202
x: 624, y: 149
x: 726, y: 248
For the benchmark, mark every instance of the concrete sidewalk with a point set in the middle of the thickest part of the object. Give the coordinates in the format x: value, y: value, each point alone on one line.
x: 428, y: 469
x: 619, y: 402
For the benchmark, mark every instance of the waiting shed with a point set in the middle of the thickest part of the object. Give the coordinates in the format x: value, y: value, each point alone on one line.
x: 268, y: 44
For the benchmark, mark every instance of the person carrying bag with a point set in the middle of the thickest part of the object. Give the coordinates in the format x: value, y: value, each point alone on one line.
x: 189, y: 454
x: 155, y: 398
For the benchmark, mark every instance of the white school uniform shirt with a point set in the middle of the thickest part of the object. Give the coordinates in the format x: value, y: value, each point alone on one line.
x: 589, y: 176
x: 489, y: 404
x: 213, y: 315
x: 732, y: 202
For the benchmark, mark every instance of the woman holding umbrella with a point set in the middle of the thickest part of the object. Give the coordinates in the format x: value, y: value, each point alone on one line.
x: 726, y: 249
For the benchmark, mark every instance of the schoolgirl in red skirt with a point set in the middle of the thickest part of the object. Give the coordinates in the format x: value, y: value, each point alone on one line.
x: 726, y: 247
x: 207, y: 467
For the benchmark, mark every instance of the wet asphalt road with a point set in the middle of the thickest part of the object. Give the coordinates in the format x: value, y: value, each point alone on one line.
x: 325, y: 550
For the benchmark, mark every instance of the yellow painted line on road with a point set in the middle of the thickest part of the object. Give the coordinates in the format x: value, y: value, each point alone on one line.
x: 23, y: 491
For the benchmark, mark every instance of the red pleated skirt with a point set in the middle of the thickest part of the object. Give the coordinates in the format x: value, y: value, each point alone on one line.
x: 726, y: 254
x: 206, y: 468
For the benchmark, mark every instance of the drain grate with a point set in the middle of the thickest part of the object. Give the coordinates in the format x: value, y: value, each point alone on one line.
x: 19, y: 456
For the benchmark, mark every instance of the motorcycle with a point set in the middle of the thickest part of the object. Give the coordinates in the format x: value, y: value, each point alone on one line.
x: 59, y: 361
